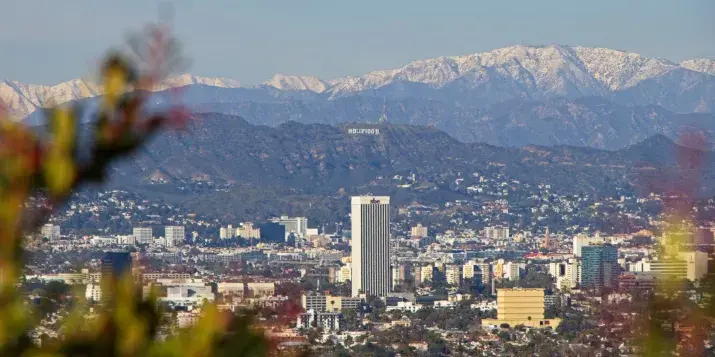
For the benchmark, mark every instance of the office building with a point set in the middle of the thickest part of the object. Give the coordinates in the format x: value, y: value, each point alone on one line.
x: 453, y: 274
x: 565, y: 273
x: 599, y: 266
x: 296, y: 225
x: 142, y: 235
x: 513, y: 270
x: 50, y: 232
x: 247, y: 231
x: 424, y: 274
x: 697, y: 264
x: 419, y: 231
x: 329, y: 303
x: 272, y: 232
x: 370, y: 243
x: 227, y: 232
x: 521, y: 306
x: 328, y: 321
x: 669, y: 268
x: 115, y: 266
x: 496, y: 232
x: 401, y: 273
x: 174, y: 235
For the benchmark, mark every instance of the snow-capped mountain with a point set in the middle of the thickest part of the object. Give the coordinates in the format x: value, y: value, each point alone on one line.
x: 475, y: 80
x: 294, y: 83
x: 23, y: 99
x: 705, y: 65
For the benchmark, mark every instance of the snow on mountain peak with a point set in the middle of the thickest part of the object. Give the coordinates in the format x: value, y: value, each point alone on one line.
x: 515, y: 72
x: 23, y: 99
x: 704, y: 65
x: 283, y: 82
x: 619, y: 69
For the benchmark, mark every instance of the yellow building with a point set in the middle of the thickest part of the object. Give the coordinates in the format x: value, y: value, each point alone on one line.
x: 453, y: 274
x: 498, y: 269
x: 521, y: 306
x: 426, y: 273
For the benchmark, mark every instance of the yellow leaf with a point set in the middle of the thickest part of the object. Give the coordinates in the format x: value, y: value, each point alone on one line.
x: 59, y: 172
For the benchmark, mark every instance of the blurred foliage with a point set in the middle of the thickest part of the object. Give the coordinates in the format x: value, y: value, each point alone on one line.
x: 46, y: 167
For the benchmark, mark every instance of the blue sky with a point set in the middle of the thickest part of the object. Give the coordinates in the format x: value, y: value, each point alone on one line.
x: 49, y: 41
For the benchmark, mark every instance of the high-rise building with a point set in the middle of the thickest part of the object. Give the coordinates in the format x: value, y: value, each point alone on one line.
x: 565, y: 273
x: 115, y: 265
x: 400, y: 274
x: 247, y: 231
x: 174, y: 235
x: 599, y: 266
x: 497, y: 232
x: 453, y: 274
x: 227, y: 232
x: 142, y: 235
x: 426, y: 274
x: 697, y: 263
x: 295, y: 225
x: 51, y: 232
x: 272, y: 232
x: 346, y: 273
x: 370, y: 244
x: 419, y: 231
x: 513, y: 270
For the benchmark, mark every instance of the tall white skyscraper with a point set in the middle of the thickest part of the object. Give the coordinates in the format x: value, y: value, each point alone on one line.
x: 174, y: 235
x: 370, y: 245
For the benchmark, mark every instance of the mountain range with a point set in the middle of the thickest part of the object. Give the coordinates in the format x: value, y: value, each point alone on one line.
x: 298, y: 167
x: 514, y: 96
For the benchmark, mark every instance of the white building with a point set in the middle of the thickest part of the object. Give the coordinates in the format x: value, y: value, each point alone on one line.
x: 126, y: 240
x: 697, y: 263
x: 188, y: 295
x: 370, y: 244
x: 513, y: 270
x: 51, y: 232
x: 579, y: 241
x: 496, y: 232
x: 328, y: 321
x: 296, y: 225
x: 142, y: 235
x: 174, y: 235
x: 566, y: 273
x: 93, y: 292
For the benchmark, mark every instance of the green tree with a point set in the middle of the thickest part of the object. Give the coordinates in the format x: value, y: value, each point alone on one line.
x: 48, y: 170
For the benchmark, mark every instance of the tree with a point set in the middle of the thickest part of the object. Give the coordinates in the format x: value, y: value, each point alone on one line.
x: 48, y: 169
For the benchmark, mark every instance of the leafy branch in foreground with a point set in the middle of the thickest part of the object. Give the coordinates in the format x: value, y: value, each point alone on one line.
x: 48, y: 167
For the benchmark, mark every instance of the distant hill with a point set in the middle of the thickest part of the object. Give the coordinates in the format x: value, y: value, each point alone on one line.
x: 296, y: 165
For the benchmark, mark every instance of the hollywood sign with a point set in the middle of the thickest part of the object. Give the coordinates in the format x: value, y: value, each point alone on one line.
x: 364, y: 131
